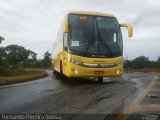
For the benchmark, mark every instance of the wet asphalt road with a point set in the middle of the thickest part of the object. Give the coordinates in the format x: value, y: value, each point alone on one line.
x: 57, y: 95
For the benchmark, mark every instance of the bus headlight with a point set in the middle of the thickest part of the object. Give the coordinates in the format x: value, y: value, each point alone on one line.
x: 74, y: 61
x: 118, y: 63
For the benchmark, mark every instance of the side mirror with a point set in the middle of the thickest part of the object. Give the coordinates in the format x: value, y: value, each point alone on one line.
x: 130, y: 29
x: 65, y: 25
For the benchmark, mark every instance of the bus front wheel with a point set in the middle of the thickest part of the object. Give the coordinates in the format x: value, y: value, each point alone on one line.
x: 100, y: 79
x: 55, y: 72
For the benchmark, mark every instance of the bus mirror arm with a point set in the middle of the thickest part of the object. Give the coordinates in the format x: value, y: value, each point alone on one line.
x: 130, y: 29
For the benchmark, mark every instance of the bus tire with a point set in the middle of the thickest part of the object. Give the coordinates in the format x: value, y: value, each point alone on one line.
x: 100, y: 79
x: 55, y: 72
x: 53, y: 69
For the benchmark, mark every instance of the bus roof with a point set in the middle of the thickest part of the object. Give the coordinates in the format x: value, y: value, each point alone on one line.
x: 91, y: 13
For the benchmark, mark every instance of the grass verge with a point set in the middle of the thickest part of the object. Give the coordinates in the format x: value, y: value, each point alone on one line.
x: 23, y: 76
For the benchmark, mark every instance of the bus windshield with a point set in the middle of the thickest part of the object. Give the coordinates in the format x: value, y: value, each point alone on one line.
x: 94, y: 36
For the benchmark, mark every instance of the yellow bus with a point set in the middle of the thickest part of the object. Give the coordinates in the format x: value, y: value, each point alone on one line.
x: 89, y: 44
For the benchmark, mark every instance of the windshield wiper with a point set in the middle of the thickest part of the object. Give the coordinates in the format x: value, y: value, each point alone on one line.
x: 70, y: 31
x: 100, y: 40
x: 88, y: 46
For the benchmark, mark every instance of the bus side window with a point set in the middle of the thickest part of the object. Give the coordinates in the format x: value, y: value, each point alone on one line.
x: 65, y: 41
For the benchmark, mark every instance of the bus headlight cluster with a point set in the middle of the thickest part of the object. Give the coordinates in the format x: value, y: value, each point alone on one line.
x: 74, y: 61
x: 118, y: 63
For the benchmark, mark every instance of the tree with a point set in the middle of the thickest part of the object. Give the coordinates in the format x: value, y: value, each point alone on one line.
x: 31, y: 59
x: 141, y: 62
x: 128, y: 64
x: 16, y: 55
x: 2, y: 52
x: 1, y: 39
x: 47, y: 59
x: 3, y: 61
x: 39, y: 63
x: 3, y: 57
x: 158, y: 62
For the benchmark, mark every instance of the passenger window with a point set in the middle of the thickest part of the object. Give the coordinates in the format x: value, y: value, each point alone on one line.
x: 65, y: 41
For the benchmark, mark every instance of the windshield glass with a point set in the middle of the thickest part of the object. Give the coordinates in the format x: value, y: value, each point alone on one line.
x: 94, y: 36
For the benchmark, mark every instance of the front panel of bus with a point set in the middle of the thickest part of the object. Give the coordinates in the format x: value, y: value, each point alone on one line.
x: 93, y: 46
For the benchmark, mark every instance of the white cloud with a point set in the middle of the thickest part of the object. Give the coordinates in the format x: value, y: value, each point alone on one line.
x: 34, y: 23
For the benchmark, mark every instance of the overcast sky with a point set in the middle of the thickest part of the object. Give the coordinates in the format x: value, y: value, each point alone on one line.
x: 34, y: 23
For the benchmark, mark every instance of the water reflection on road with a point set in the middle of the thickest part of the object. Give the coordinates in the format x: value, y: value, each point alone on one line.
x: 59, y: 95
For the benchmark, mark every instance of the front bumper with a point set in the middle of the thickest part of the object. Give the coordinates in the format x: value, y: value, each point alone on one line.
x: 73, y: 70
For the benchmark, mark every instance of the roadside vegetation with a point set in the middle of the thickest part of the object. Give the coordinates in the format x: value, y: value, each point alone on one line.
x: 142, y: 64
x: 18, y: 63
x: 22, y: 76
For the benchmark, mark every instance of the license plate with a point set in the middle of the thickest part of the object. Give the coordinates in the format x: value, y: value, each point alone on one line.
x: 99, y: 72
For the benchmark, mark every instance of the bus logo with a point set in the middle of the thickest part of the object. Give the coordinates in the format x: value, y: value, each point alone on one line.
x: 99, y: 65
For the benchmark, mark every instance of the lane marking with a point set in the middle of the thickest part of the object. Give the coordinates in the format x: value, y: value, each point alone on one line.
x: 153, y: 95
x: 135, y: 104
x: 157, y: 84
